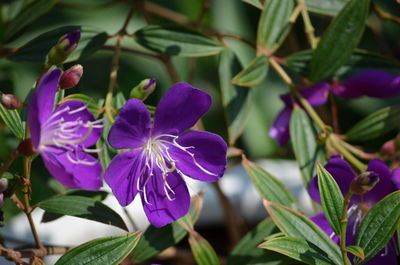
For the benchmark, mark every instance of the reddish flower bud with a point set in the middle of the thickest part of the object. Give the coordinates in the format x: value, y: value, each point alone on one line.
x: 388, y: 148
x: 25, y: 147
x: 3, y: 184
x: 71, y: 77
x: 364, y: 182
x: 10, y: 101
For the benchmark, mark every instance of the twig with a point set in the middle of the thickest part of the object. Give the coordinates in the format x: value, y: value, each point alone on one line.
x: 16, y: 255
x: 13, y: 155
x: 170, y: 68
x: 166, y: 13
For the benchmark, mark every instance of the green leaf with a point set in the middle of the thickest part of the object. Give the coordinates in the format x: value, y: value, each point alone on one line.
x: 176, y: 40
x: 83, y: 207
x: 304, y: 141
x: 356, y: 251
x: 107, y: 250
x: 375, y: 125
x: 236, y: 100
x: 298, y: 249
x: 92, y: 105
x: 13, y: 121
x: 37, y: 49
x: 360, y: 60
x: 274, y: 25
x: 325, y: 7
x: 253, y: 74
x: 27, y: 15
x: 203, y: 252
x: 246, y: 249
x: 378, y: 226
x: 331, y: 198
x: 268, y: 186
x: 294, y: 224
x: 255, y: 3
x: 339, y: 40
x: 155, y: 240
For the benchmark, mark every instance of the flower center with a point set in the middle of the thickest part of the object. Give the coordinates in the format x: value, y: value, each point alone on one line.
x: 68, y: 134
x: 156, y: 154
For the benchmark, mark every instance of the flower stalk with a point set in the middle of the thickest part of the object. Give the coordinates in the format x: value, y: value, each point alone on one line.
x: 343, y: 228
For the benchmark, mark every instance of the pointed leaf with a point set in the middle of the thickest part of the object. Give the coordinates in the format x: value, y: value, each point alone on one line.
x: 339, y: 40
x: 325, y: 7
x: 294, y: 224
x: 356, y: 251
x: 253, y: 74
x: 274, y: 25
x: 376, y: 124
x: 331, y: 198
x: 176, y: 40
x: 298, y: 249
x: 83, y: 207
x: 236, y: 100
x: 255, y: 3
x: 155, y: 240
x: 107, y: 250
x: 246, y: 249
x: 203, y: 252
x: 378, y: 226
x: 268, y: 186
x: 196, y: 205
x: 13, y: 121
x: 27, y: 15
x: 304, y: 141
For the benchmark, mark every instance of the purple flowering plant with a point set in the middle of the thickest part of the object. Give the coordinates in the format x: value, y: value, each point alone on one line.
x: 110, y: 113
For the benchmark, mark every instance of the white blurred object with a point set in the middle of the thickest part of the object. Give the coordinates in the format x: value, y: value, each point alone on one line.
x: 72, y: 231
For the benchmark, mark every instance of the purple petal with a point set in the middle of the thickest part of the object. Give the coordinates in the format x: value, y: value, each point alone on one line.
x: 385, y: 185
x: 209, y: 155
x: 180, y: 108
x: 396, y: 178
x: 132, y: 126
x: 71, y: 174
x: 341, y: 172
x: 280, y: 128
x: 122, y: 175
x: 41, y: 103
x: 372, y: 83
x: 73, y: 39
x: 316, y: 95
x: 160, y: 210
x: 321, y: 221
x: 78, y: 110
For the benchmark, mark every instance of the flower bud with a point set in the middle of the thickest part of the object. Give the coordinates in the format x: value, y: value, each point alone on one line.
x: 364, y: 182
x: 10, y: 101
x: 25, y: 147
x: 37, y: 261
x: 143, y: 89
x: 71, y: 77
x: 388, y: 148
x: 3, y: 184
x: 65, y: 46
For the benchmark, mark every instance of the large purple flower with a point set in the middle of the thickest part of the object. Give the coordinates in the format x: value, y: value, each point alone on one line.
x: 316, y: 95
x: 62, y: 136
x: 343, y: 174
x: 162, y: 153
x: 371, y: 83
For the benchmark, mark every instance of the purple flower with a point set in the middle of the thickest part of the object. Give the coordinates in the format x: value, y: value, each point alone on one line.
x: 62, y: 136
x: 343, y: 174
x: 371, y: 83
x: 316, y: 95
x: 162, y: 153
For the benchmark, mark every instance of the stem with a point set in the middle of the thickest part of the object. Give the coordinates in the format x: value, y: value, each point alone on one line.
x: 338, y: 145
x: 115, y: 65
x: 27, y: 207
x: 308, y: 27
x: 166, y: 13
x: 170, y: 68
x: 310, y: 110
x: 343, y: 228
